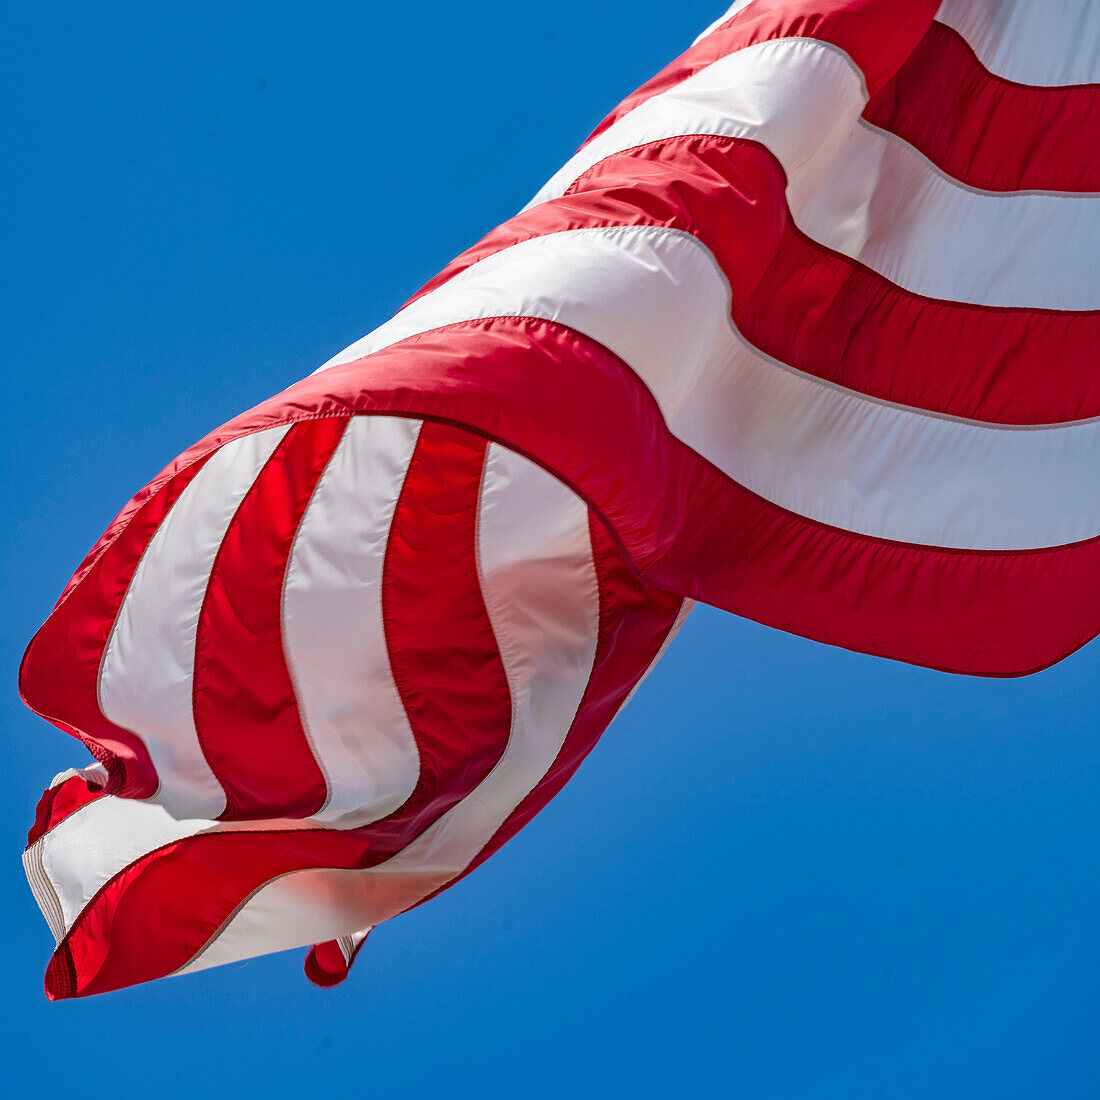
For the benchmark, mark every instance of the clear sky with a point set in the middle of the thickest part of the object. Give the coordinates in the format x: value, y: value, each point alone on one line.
x: 787, y: 871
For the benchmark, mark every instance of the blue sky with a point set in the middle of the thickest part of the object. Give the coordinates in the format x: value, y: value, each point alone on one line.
x: 787, y: 871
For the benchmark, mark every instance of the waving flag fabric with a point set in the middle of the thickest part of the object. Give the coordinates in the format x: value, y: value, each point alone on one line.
x: 805, y: 330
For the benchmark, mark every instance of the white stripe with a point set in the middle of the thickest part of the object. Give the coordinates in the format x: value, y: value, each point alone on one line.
x: 539, y: 584
x: 1040, y: 42
x: 86, y: 850
x: 145, y: 677
x: 47, y: 892
x: 885, y: 205
x: 790, y: 94
x: 657, y: 299
x: 296, y: 910
x: 332, y: 625
x: 866, y: 194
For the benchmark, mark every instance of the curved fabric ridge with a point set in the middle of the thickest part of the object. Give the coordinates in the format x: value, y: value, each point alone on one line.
x: 813, y: 309
x: 656, y: 299
x: 1014, y: 250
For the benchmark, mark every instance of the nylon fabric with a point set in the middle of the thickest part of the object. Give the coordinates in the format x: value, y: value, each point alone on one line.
x: 806, y: 331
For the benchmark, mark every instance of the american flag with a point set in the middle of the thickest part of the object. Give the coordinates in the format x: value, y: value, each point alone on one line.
x: 805, y: 330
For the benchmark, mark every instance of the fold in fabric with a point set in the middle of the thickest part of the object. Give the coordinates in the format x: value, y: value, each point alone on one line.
x: 805, y: 330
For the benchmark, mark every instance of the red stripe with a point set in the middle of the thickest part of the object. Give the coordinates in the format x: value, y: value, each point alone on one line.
x: 816, y: 310
x: 987, y: 131
x: 246, y: 711
x: 58, y: 678
x: 878, y: 35
x: 459, y: 707
x: 443, y: 652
